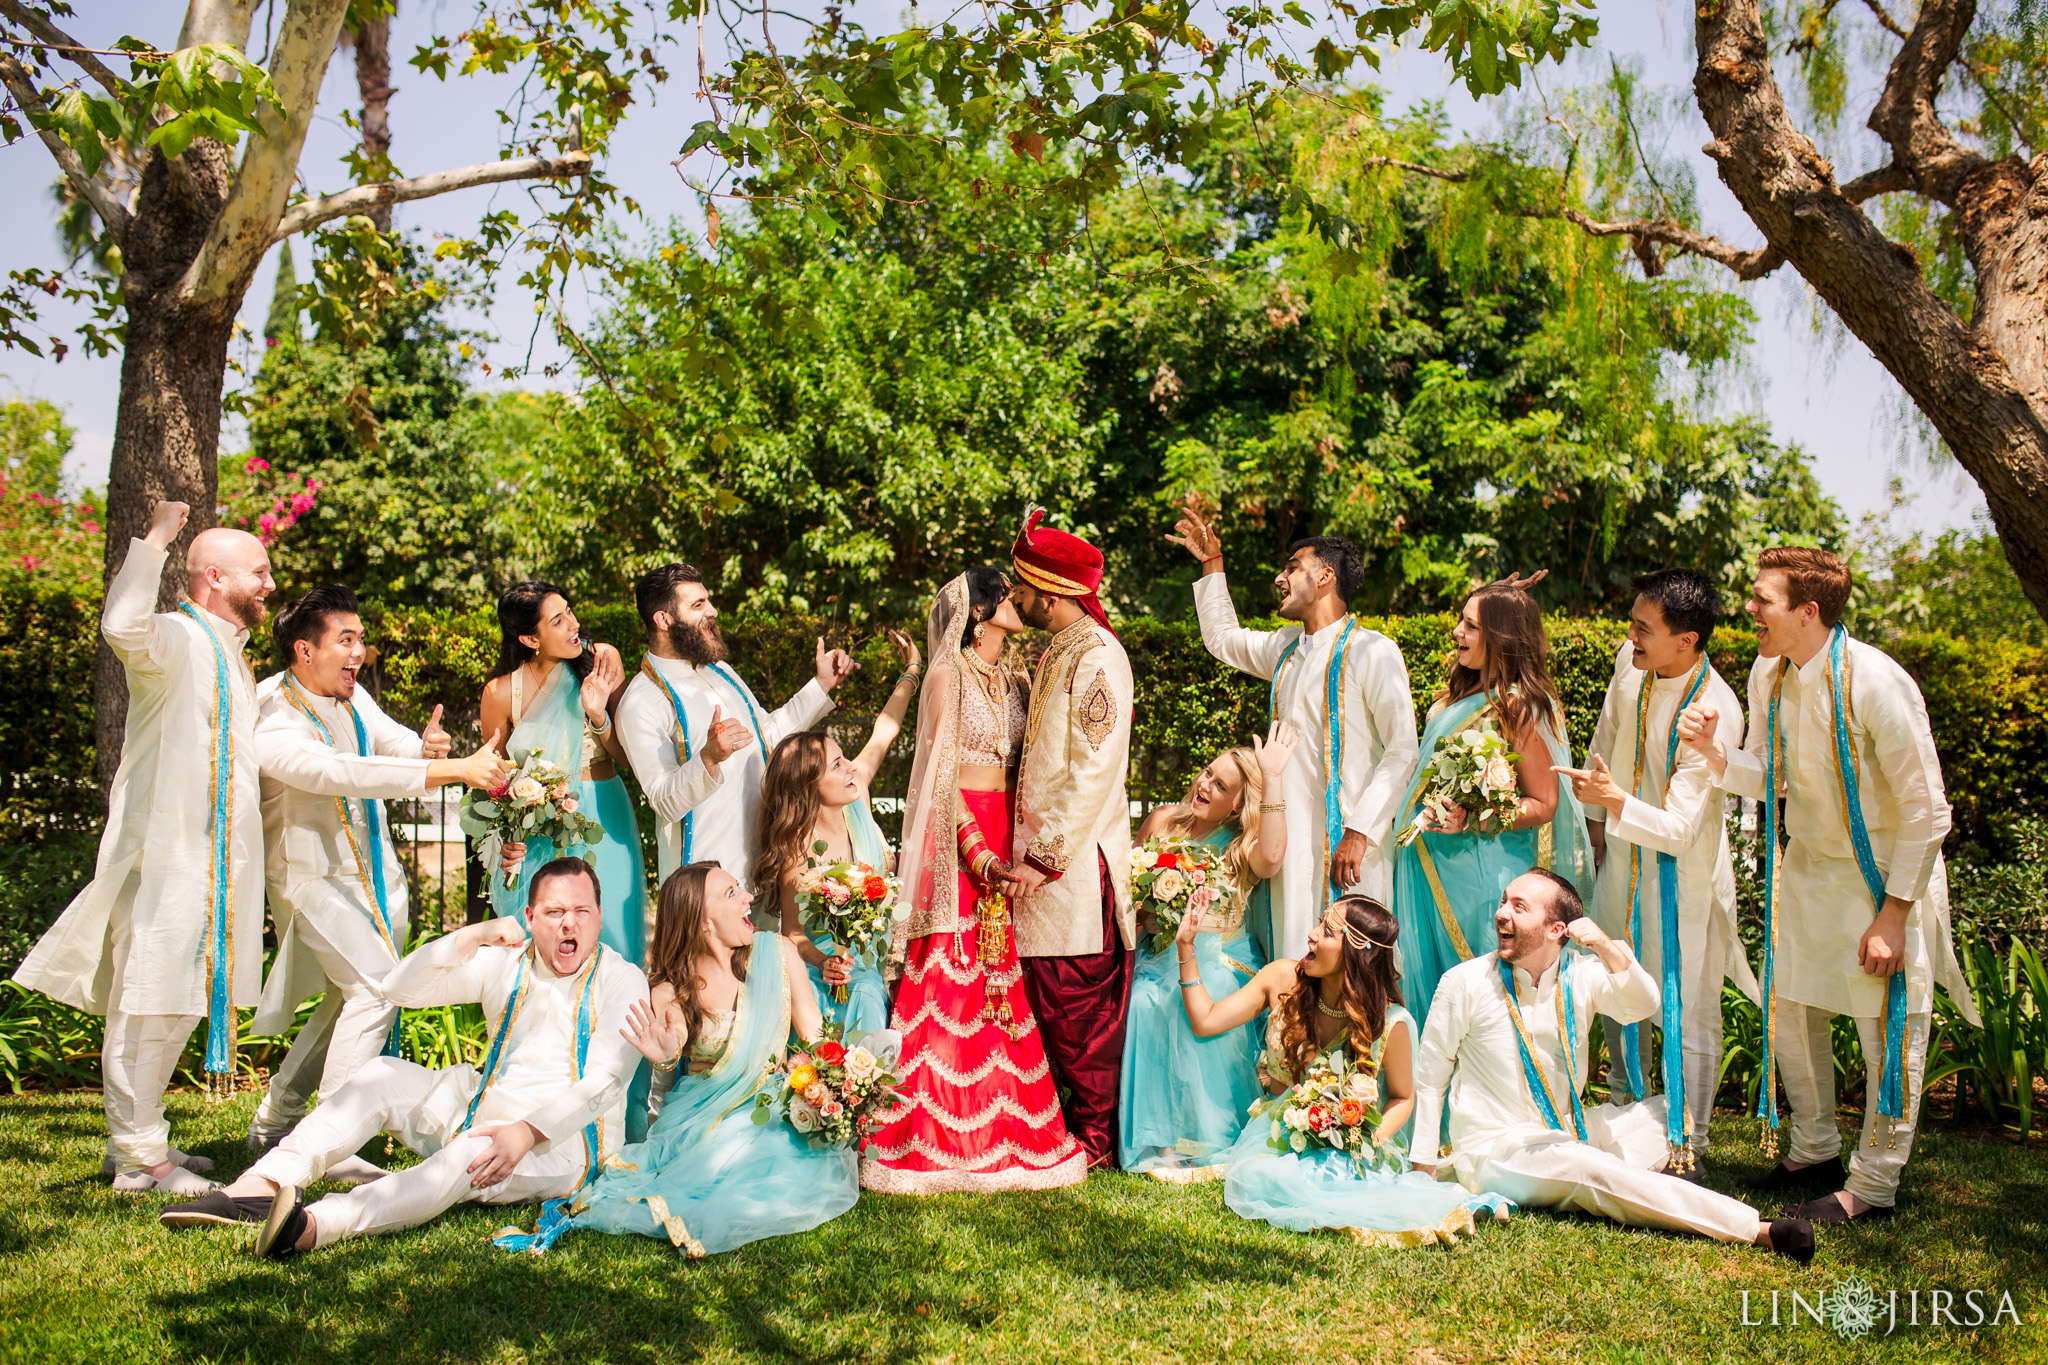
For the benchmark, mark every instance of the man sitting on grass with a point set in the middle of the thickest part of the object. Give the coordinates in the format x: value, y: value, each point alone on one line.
x: 1507, y: 1037
x: 534, y: 1124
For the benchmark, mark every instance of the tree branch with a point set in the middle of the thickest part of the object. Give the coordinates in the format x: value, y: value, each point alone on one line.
x: 311, y: 213
x: 248, y: 220
x: 1809, y: 36
x: 92, y: 189
x: 1646, y: 234
x: 53, y: 37
x: 1904, y: 115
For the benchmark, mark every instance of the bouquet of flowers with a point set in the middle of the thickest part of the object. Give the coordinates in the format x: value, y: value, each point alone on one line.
x: 1472, y: 769
x: 852, y: 902
x: 537, y: 802
x: 1171, y: 876
x: 1336, y: 1105
x: 838, y: 1092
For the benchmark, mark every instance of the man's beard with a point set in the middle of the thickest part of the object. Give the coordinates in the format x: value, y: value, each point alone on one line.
x: 697, y: 645
x: 1038, y: 615
x: 247, y: 608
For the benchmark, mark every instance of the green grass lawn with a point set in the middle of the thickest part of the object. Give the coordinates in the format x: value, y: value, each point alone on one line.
x: 1122, y: 1268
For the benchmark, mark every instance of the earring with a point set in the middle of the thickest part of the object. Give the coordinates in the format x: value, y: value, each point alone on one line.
x: 980, y: 629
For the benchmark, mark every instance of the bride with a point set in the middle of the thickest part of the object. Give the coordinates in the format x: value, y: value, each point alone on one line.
x: 981, y: 1112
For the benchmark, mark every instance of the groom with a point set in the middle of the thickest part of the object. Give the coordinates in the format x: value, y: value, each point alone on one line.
x: 1074, y: 921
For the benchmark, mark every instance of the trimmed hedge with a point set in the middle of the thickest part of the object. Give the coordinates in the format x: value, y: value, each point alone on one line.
x: 1987, y: 702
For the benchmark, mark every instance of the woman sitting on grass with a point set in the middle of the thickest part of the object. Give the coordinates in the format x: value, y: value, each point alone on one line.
x: 1340, y: 996
x: 725, y: 1001
x: 813, y: 795
x: 1184, y: 1096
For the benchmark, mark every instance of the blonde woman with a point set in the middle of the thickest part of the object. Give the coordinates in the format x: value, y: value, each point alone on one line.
x: 1184, y: 1097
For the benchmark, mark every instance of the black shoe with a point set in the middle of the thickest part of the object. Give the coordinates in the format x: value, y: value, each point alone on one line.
x: 1792, y: 1237
x: 215, y: 1210
x: 1823, y: 1175
x: 283, y: 1225
x: 1828, y: 1209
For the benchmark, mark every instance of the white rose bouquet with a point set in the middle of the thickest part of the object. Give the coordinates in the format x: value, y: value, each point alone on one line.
x: 538, y: 801
x: 1474, y: 770
x: 1171, y: 876
x: 837, y: 1093
x: 1336, y: 1105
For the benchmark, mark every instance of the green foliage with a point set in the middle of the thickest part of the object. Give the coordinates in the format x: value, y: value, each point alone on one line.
x: 1957, y: 582
x: 363, y: 465
x: 1998, y: 1062
x: 38, y: 878
x: 34, y: 441
x: 48, y: 632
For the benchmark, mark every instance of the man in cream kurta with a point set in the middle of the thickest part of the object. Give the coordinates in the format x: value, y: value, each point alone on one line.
x: 705, y: 800
x: 324, y: 789
x: 525, y: 1138
x: 1470, y: 1057
x: 1076, y: 927
x: 1685, y: 817
x: 1835, y: 947
x: 137, y: 944
x: 1376, y: 712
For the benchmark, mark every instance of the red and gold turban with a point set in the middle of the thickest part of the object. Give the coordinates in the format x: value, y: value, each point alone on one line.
x: 1061, y: 564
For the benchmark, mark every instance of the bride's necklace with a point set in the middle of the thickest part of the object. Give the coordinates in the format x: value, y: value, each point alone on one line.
x: 995, y: 686
x: 1321, y: 1008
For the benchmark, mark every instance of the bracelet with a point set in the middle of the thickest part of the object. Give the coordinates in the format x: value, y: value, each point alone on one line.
x: 1185, y: 984
x: 1212, y: 559
x: 1265, y: 806
x: 908, y: 675
x: 669, y: 1065
x: 597, y: 729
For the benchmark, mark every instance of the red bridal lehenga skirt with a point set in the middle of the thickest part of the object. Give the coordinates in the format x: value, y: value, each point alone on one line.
x: 981, y: 1112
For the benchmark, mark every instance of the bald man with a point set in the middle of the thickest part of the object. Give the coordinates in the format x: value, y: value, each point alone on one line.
x: 171, y: 928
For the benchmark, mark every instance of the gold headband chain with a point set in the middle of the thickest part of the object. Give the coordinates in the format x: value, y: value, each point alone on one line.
x: 1353, y: 936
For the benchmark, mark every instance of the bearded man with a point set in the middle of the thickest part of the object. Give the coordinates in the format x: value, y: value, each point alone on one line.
x: 696, y: 737
x: 1075, y: 924
x: 171, y: 927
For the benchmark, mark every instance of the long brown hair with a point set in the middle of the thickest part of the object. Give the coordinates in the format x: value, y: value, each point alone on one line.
x: 1516, y: 669
x: 789, y: 808
x: 681, y: 937
x: 1236, y: 858
x: 1369, y: 987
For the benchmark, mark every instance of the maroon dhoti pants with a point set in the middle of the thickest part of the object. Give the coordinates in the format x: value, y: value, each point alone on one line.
x: 1082, y: 1003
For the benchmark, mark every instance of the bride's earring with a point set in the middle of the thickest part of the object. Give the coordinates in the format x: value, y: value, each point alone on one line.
x: 980, y: 629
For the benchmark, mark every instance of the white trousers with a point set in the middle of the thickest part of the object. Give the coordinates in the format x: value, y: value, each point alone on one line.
x: 137, y: 1059
x: 1548, y: 1170
x: 385, y: 1096
x: 1700, y: 990
x: 1806, y: 1064
x: 346, y: 1029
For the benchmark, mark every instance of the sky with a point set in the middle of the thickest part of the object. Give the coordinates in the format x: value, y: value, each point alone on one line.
x: 1824, y: 393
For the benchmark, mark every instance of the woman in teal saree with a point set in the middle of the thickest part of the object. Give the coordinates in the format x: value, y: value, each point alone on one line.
x: 1448, y: 880
x: 726, y: 1000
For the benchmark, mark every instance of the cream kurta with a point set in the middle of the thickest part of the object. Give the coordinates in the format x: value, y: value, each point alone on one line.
x: 313, y: 873
x: 1071, y: 799
x: 1380, y: 749
x: 1470, y: 1057
x: 155, y: 863
x: 536, y: 1082
x: 723, y: 804
x: 1691, y: 825
x: 1824, y: 905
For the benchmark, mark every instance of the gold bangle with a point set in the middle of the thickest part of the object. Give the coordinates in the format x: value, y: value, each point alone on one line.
x: 1272, y: 805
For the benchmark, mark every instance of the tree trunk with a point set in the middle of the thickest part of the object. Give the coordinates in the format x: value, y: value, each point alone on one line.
x: 373, y: 82
x: 173, y: 368
x: 1984, y: 384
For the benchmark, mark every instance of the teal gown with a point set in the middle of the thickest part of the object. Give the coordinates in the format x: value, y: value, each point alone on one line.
x: 866, y: 1008
x: 708, y: 1177
x: 1183, y: 1098
x: 1474, y: 869
x: 1324, y: 1188
x: 554, y: 723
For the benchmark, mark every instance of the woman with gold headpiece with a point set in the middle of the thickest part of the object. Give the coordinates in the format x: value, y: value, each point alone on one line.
x: 1184, y: 1097
x: 1340, y: 995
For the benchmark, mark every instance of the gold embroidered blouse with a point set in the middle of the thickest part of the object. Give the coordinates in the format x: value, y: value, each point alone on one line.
x: 991, y: 716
